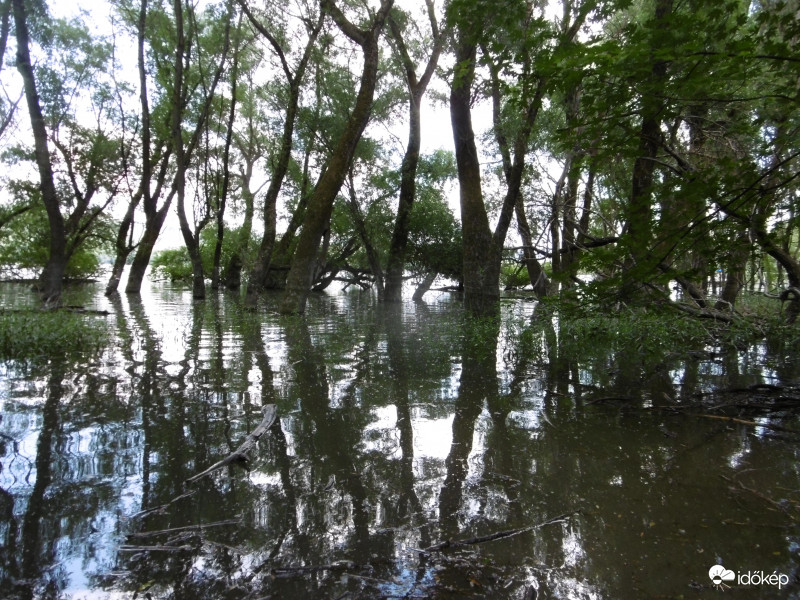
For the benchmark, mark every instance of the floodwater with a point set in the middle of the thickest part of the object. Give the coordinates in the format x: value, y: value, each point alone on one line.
x: 414, y: 455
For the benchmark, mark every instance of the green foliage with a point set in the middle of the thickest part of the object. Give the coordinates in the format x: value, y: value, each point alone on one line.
x: 24, y: 245
x: 512, y: 275
x: 654, y: 332
x: 434, y: 238
x: 43, y: 334
x: 172, y: 264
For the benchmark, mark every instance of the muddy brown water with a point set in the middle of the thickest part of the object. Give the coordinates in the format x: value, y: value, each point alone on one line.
x: 414, y: 456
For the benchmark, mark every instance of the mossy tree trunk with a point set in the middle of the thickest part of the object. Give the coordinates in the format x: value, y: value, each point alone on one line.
x: 320, y: 204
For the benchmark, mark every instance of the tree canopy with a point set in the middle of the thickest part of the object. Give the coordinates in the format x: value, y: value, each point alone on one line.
x: 632, y: 147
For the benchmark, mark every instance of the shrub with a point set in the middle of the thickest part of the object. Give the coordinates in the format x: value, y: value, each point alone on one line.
x: 173, y: 265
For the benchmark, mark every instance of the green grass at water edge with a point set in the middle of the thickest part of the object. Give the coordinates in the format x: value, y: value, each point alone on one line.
x: 43, y: 334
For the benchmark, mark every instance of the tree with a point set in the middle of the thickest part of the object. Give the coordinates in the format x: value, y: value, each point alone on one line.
x: 320, y: 204
x: 80, y: 179
x: 183, y: 53
x: 294, y: 80
x: 183, y: 94
x: 417, y: 87
x: 507, y: 40
x: 51, y: 278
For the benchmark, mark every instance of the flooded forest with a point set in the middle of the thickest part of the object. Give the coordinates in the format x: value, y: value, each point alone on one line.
x: 399, y: 299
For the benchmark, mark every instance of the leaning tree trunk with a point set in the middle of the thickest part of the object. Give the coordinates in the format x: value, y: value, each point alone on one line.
x: 52, y: 276
x: 320, y: 205
x: 373, y: 258
x: 424, y: 286
x: 260, y: 270
x: 141, y: 260
x: 538, y: 278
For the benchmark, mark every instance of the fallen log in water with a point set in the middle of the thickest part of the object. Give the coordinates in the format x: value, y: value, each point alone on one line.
x: 239, y: 456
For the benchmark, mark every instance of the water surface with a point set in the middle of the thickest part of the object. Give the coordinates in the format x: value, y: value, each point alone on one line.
x: 415, y: 455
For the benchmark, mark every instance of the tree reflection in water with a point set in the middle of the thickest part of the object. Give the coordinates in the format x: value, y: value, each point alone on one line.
x: 402, y: 431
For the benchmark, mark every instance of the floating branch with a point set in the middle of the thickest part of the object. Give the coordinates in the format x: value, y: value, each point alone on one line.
x: 751, y: 423
x: 778, y: 505
x: 497, y: 535
x: 143, y: 534
x: 239, y: 456
x: 163, y: 506
x: 155, y: 548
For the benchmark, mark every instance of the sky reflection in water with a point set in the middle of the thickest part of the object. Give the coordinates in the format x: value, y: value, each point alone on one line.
x: 399, y: 429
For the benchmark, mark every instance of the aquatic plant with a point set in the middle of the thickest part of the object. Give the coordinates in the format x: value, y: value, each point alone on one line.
x: 31, y: 334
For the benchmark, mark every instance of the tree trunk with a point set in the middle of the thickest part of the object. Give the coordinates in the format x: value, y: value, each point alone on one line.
x: 513, y: 156
x: 52, y: 276
x: 226, y: 167
x: 396, y: 261
x: 481, y: 258
x: 408, y: 174
x: 258, y: 275
x: 144, y: 250
x: 424, y: 286
x: 124, y: 246
x: 734, y: 273
x: 153, y: 217
x: 191, y: 240
x: 320, y: 205
x: 372, y: 254
x: 639, y: 212
x: 538, y: 278
x: 233, y: 271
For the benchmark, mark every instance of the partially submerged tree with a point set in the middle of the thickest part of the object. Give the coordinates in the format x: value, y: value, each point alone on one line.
x: 320, y: 203
x: 294, y: 75
x: 417, y: 86
x: 80, y: 179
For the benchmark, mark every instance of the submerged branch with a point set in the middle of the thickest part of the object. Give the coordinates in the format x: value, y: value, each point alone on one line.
x: 239, y: 456
x: 498, y: 535
x: 746, y: 422
x: 162, y: 507
x: 200, y: 527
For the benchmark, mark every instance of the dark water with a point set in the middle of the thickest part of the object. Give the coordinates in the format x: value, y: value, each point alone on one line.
x: 584, y: 475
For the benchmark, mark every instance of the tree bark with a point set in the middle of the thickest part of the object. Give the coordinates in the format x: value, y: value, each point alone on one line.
x: 258, y: 274
x: 639, y: 212
x: 396, y: 261
x: 52, y: 276
x: 320, y: 205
